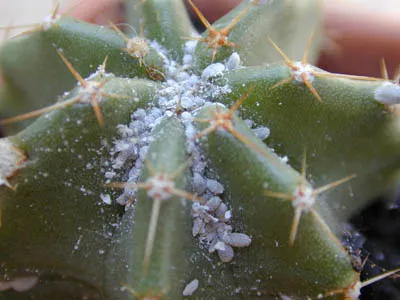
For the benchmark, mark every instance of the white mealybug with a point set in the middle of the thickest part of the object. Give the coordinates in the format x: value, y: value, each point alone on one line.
x: 215, y: 187
x: 190, y: 288
x: 106, y: 198
x: 214, y: 203
x: 221, y: 211
x: 261, y: 132
x: 199, y: 183
x: 198, y: 226
x: 212, y: 70
x: 21, y: 284
x: 227, y: 254
x: 237, y: 239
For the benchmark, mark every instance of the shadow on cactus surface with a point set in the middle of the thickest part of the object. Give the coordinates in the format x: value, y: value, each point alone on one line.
x: 221, y: 165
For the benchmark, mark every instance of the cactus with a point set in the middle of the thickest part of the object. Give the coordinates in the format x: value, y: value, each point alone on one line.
x: 184, y: 165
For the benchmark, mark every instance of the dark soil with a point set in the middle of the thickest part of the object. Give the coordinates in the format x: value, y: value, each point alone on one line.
x: 379, y: 238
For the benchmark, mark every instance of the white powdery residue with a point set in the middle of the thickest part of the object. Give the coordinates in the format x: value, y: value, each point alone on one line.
x: 183, y: 90
x: 249, y: 123
x: 182, y: 76
x: 139, y: 114
x: 138, y: 127
x: 160, y: 186
x: 85, y: 191
x: 180, y: 94
x: 135, y: 171
x: 172, y: 70
x: 354, y: 292
x: 189, y: 102
x: 211, y: 222
x: 284, y: 159
x: 388, y: 93
x: 50, y: 21
x: 190, y: 131
x: 153, y: 117
x: 125, y: 152
x: 187, y: 59
x: 303, y: 197
x: 192, y: 82
x: 302, y: 70
x: 91, y: 91
x: 143, y: 152
x: 110, y: 174
x: 169, y: 95
x: 122, y: 145
x: 198, y: 164
x: 100, y: 73
x: 186, y: 117
x: 222, y: 90
x: 11, y: 160
x: 160, y: 50
x: 133, y: 146
x: 202, y: 212
x: 190, y: 46
x: 77, y: 243
x: 233, y: 62
x: 190, y: 288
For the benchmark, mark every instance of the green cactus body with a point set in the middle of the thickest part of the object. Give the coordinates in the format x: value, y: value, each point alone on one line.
x: 181, y: 169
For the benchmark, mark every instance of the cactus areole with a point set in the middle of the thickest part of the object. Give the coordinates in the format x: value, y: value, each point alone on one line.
x: 164, y: 164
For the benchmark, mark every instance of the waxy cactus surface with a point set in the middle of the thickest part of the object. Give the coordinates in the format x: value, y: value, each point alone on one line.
x: 221, y: 165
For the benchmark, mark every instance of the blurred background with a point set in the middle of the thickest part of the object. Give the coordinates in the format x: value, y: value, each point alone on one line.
x: 23, y: 12
x: 358, y: 33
